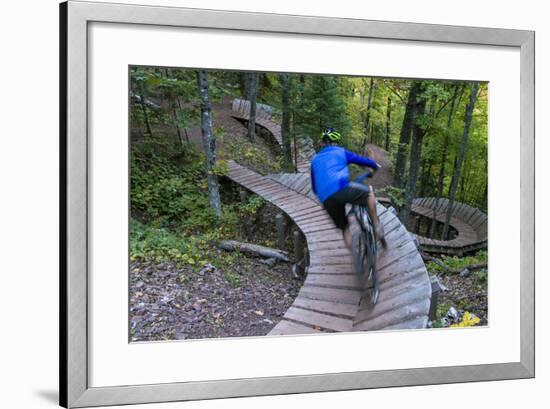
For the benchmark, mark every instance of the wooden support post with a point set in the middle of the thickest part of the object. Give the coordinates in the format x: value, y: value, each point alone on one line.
x: 246, y: 226
x: 436, y: 289
x: 243, y: 194
x: 417, y: 224
x: 299, y: 262
x: 280, y: 222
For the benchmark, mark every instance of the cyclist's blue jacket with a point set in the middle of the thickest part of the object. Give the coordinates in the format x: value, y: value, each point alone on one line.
x: 329, y: 170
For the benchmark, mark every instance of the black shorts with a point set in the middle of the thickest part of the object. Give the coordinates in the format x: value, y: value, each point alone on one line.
x: 335, y: 204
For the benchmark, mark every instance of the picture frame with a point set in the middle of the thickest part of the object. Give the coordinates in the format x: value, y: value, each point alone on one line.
x: 75, y: 390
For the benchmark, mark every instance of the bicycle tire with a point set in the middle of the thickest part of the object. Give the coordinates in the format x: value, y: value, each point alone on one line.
x: 359, y: 255
x: 372, y: 251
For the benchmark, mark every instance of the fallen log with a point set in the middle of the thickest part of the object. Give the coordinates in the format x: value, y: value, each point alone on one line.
x: 254, y: 249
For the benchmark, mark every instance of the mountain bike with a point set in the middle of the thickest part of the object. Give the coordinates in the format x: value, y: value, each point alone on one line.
x: 365, y: 249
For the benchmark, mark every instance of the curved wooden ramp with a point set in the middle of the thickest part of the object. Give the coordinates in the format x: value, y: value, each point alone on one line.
x: 329, y: 300
x: 305, y: 150
x: 241, y: 110
x: 469, y: 222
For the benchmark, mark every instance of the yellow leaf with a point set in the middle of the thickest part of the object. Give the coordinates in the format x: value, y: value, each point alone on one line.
x: 468, y: 320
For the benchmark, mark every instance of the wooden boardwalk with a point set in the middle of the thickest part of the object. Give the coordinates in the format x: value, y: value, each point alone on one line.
x: 241, y: 110
x: 469, y: 222
x: 329, y: 300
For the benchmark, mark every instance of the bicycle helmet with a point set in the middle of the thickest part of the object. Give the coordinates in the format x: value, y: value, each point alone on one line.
x: 331, y: 135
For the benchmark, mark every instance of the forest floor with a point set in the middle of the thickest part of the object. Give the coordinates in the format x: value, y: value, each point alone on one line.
x: 168, y: 302
x: 465, y: 294
x: 463, y: 290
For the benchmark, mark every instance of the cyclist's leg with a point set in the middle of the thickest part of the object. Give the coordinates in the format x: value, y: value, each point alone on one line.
x: 363, y: 195
x: 337, y: 211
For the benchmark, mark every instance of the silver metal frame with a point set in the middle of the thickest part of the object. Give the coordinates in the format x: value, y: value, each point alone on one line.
x: 75, y: 16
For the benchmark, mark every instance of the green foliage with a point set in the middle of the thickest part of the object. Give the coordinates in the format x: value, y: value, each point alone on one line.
x: 323, y: 104
x: 161, y: 245
x: 166, y: 195
x: 251, y: 207
x: 440, y: 311
x: 396, y: 195
x: 480, y: 275
x: 232, y: 278
x: 458, y: 263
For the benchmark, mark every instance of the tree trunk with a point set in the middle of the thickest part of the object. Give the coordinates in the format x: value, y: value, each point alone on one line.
x: 388, y: 125
x: 243, y: 84
x: 187, y: 141
x: 285, y: 80
x: 415, y: 155
x: 209, y: 143
x: 426, y: 176
x: 441, y: 176
x: 405, y: 135
x: 484, y: 198
x: 252, y: 94
x: 460, y: 157
x: 367, y: 113
x: 144, y: 110
x: 170, y: 99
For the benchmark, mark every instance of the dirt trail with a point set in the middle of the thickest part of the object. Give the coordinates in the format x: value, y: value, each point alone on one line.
x: 384, y: 176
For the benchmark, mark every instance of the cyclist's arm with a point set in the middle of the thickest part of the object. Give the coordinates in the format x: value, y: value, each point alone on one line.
x: 361, y: 160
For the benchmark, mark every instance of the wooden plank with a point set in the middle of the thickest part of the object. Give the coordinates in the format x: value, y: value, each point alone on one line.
x: 318, y: 320
x: 320, y: 222
x: 272, y: 187
x: 256, y: 183
x: 305, y: 185
x: 394, y: 317
x: 285, y: 327
x: 280, y: 196
x: 301, y: 206
x: 309, y: 229
x: 335, y: 308
x: 330, y: 294
x: 326, y: 245
x: 395, y: 257
x: 313, y: 212
x: 398, y: 277
x: 415, y: 323
x: 398, y: 267
x: 332, y: 280
x: 330, y: 269
x: 321, y: 259
x: 309, y: 210
x: 329, y: 235
x: 420, y: 285
x: 341, y: 251
x: 396, y: 301
x: 244, y: 178
x: 238, y: 171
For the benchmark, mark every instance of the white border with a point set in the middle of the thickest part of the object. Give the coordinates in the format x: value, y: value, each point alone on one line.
x: 113, y: 47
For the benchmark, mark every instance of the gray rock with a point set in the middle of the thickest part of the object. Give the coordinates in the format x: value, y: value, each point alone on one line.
x: 465, y: 273
x: 453, y: 315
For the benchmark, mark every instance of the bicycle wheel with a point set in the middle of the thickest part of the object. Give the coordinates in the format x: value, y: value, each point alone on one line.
x: 372, y: 250
x: 359, y: 253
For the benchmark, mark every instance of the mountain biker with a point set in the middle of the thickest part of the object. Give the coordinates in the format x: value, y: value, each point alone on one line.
x: 330, y: 182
